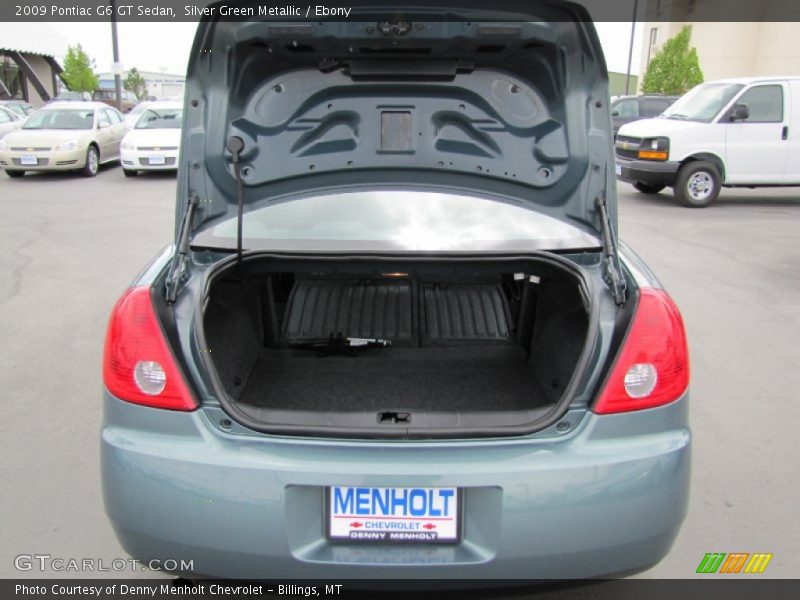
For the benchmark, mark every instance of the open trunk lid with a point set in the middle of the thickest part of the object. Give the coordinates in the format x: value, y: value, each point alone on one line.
x: 502, y: 103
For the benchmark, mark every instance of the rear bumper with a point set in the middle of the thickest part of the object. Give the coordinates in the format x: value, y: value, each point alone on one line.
x: 607, y: 497
x: 647, y: 171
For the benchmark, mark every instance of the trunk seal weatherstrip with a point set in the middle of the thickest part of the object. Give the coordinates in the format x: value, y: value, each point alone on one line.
x: 382, y: 432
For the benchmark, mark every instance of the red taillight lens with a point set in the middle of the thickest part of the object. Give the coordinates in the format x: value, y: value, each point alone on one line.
x: 138, y: 366
x: 653, y: 365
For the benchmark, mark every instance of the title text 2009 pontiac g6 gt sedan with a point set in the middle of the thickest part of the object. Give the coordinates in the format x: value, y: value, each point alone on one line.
x: 396, y: 336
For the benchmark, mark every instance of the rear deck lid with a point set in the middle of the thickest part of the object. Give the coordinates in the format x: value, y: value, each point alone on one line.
x: 511, y: 103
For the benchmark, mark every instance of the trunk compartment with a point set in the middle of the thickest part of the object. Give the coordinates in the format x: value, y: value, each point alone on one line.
x: 475, y: 345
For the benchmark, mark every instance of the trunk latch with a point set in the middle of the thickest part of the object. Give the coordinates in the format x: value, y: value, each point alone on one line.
x: 394, y: 29
x: 394, y: 417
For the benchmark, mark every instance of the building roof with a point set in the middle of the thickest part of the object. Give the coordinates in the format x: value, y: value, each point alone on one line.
x: 32, y: 38
x: 150, y: 75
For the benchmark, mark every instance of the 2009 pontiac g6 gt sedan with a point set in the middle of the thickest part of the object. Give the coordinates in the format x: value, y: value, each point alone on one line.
x: 396, y: 335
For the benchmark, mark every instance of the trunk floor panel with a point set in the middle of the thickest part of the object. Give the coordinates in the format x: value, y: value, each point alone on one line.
x: 459, y: 379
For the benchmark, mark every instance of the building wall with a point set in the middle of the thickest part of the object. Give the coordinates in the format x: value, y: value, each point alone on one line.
x: 734, y: 49
x: 779, y: 49
x: 616, y: 84
x: 159, y: 85
x: 655, y: 34
x: 22, y: 84
x: 45, y: 74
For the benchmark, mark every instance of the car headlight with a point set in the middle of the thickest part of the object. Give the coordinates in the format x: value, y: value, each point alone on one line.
x: 68, y: 145
x: 654, y: 148
x: 126, y: 145
x: 3, y: 145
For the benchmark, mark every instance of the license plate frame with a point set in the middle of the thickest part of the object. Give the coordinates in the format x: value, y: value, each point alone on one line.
x: 157, y: 159
x: 333, y: 533
x: 28, y: 160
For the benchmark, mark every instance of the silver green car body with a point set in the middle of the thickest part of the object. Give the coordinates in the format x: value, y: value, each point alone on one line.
x: 587, y: 495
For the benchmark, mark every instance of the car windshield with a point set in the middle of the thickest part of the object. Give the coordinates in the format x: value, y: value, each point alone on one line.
x: 396, y: 220
x: 138, y: 109
x: 105, y: 95
x: 161, y: 118
x: 70, y: 96
x: 17, y: 108
x: 702, y: 103
x: 61, y: 119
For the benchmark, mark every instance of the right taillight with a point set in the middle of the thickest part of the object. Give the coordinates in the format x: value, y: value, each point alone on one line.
x: 652, y: 367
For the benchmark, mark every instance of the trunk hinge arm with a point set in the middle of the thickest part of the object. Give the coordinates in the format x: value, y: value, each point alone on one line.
x: 613, y: 275
x: 181, y: 251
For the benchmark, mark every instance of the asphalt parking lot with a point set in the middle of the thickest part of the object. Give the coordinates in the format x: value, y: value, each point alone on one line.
x: 69, y: 246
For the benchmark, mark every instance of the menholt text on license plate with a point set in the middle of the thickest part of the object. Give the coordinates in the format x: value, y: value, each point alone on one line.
x: 394, y: 515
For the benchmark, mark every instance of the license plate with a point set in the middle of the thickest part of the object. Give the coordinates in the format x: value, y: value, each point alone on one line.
x: 28, y: 160
x: 410, y: 515
x: 618, y: 169
x: 157, y: 160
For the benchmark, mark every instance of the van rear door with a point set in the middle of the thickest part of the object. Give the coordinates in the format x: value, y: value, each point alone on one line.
x: 755, y: 147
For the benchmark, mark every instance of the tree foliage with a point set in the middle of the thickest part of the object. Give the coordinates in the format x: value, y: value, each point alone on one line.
x: 675, y: 68
x: 134, y: 82
x: 78, y: 71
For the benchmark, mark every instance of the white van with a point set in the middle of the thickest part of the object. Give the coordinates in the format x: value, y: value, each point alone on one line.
x: 732, y: 132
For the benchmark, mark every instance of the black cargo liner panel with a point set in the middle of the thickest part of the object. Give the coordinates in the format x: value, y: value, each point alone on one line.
x: 357, y: 308
x: 454, y: 312
x: 465, y: 311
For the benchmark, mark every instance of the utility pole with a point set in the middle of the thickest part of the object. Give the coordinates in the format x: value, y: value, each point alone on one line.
x: 630, y: 48
x: 115, y: 43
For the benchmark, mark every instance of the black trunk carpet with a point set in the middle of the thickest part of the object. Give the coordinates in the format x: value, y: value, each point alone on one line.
x: 466, y: 378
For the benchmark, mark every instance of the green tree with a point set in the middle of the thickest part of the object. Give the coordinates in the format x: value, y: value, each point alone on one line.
x: 78, y: 71
x: 134, y: 82
x: 675, y: 68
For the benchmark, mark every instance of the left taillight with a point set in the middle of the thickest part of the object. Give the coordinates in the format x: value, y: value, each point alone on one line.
x: 138, y: 365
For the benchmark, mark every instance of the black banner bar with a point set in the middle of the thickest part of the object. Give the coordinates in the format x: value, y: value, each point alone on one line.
x: 716, y: 586
x: 317, y: 10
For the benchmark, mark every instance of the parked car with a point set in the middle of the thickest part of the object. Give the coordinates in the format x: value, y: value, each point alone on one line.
x: 627, y: 109
x: 742, y: 132
x: 64, y: 136
x: 154, y: 142
x: 9, y: 121
x: 68, y: 96
x: 133, y: 115
x: 127, y: 99
x: 396, y: 336
x: 20, y: 107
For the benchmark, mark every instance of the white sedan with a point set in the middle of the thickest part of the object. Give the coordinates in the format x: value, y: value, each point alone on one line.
x: 154, y: 142
x: 9, y: 121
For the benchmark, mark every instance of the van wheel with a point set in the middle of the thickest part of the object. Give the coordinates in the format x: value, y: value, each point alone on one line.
x: 698, y: 183
x: 648, y: 189
x: 92, y: 163
x: 15, y: 173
